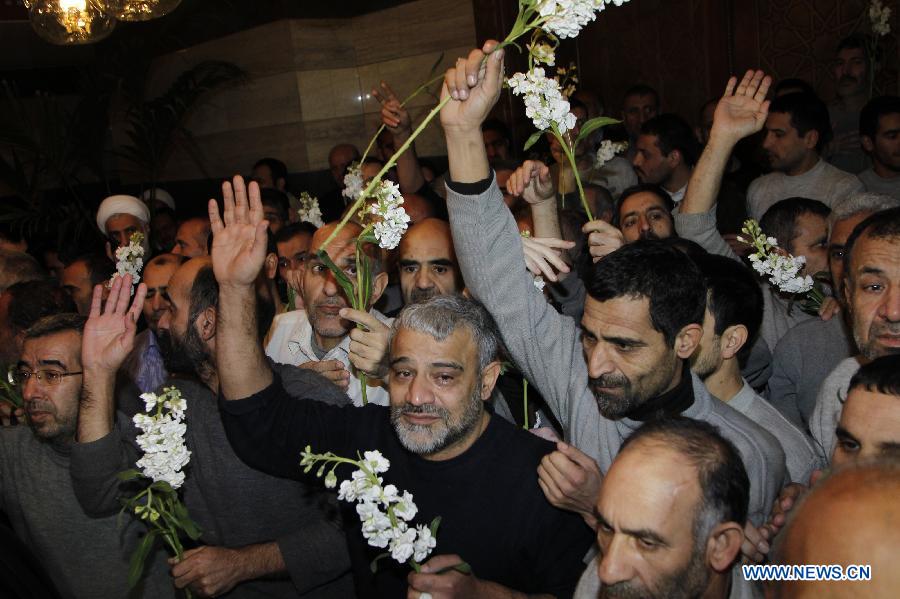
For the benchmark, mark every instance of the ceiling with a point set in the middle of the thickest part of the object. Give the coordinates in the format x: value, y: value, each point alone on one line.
x: 34, y: 64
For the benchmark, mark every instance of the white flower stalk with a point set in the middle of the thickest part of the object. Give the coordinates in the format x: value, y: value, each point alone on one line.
x: 544, y: 102
x: 162, y: 439
x: 384, y: 512
x: 130, y: 260
x: 392, y: 218
x: 608, y: 150
x: 879, y: 17
x: 566, y: 18
x: 781, y: 270
x: 539, y: 282
x: 354, y: 184
x: 309, y: 211
x: 542, y: 53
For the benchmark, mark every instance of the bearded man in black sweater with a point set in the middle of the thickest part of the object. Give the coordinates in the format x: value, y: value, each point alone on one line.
x: 475, y: 471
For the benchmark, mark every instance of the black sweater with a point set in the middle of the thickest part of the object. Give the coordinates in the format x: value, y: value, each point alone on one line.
x: 493, y: 513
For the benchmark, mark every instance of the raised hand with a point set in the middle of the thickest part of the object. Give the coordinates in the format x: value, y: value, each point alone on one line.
x: 742, y: 112
x: 239, y: 243
x: 543, y: 257
x: 603, y: 239
x: 532, y: 182
x: 393, y: 114
x: 369, y: 345
x: 109, y: 333
x: 474, y: 85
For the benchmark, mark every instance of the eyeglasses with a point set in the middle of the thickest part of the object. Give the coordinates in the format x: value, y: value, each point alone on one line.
x: 51, y: 377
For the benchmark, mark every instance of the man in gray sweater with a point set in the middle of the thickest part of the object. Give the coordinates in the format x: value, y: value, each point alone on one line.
x: 261, y: 535
x: 84, y: 557
x: 641, y: 323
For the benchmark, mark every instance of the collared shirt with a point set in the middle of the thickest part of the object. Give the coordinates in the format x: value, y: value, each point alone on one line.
x: 145, y: 365
x: 291, y: 342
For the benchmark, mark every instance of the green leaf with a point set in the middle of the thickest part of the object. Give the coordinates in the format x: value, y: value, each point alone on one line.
x: 136, y: 565
x: 594, y: 124
x: 374, y: 565
x: 434, y: 526
x: 340, y: 276
x: 533, y: 139
x: 129, y: 475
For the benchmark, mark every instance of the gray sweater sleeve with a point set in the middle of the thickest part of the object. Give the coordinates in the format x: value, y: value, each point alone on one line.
x: 701, y: 228
x: 94, y: 470
x: 542, y: 342
x: 569, y: 294
x: 783, y: 389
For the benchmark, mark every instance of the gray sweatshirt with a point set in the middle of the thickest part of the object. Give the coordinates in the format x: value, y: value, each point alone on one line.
x: 85, y: 557
x: 803, y: 358
x: 546, y: 348
x: 233, y: 504
x: 829, y: 405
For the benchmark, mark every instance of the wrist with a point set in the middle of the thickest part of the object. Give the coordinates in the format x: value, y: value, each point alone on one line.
x: 723, y: 140
x: 462, y: 131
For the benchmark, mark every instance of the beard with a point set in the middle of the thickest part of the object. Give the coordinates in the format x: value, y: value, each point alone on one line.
x: 871, y: 349
x: 688, y: 583
x: 649, y: 234
x: 59, y: 426
x: 417, y: 295
x: 183, y: 355
x: 628, y: 394
x: 328, y: 326
x: 429, y: 439
x: 706, y: 360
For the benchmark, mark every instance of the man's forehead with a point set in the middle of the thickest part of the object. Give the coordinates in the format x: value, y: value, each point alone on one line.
x: 640, y: 202
x: 63, y: 346
x: 622, y: 316
x: 779, y: 120
x: 345, y: 240
x: 122, y: 220
x: 156, y: 275
x: 418, y: 347
x: 873, y: 415
x: 876, y: 253
x: 848, y: 53
x: 639, y: 100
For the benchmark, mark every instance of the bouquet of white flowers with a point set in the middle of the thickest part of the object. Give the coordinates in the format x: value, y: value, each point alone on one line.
x: 130, y: 260
x: 161, y: 470
x: 309, y: 211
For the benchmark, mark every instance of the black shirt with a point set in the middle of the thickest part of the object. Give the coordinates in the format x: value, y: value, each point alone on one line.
x: 493, y: 513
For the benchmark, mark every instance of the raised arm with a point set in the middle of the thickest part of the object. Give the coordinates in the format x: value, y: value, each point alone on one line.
x: 740, y: 113
x: 238, y: 254
x: 396, y: 119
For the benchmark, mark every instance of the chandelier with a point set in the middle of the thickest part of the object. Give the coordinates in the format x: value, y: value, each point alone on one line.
x: 68, y: 22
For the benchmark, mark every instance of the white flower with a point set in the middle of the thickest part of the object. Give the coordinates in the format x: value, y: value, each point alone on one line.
x: 607, y: 151
x: 542, y: 53
x: 566, y: 18
x: 353, y: 181
x: 539, y: 283
x: 162, y: 439
x: 377, y: 462
x: 393, y: 219
x: 544, y: 102
x: 130, y: 261
x: 401, y: 545
x: 330, y: 480
x: 425, y: 542
x: 879, y: 17
x: 309, y: 210
x: 782, y: 271
x: 404, y: 508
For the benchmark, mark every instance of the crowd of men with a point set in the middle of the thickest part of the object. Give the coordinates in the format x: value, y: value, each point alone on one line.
x: 686, y: 418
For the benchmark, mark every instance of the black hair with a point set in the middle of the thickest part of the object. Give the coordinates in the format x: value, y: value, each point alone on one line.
x: 691, y: 249
x: 288, y: 232
x: 733, y: 297
x: 799, y: 85
x: 780, y: 220
x: 656, y: 190
x: 100, y: 268
x: 673, y: 133
x: 665, y: 276
x: 276, y: 199
x: 642, y: 89
x: 32, y: 300
x: 872, y: 112
x: 808, y: 113
x: 278, y: 168
x: 724, y: 484
x: 881, y: 375
x: 56, y: 323
x: 881, y: 225
x: 854, y: 41
x: 498, y: 126
x: 205, y: 295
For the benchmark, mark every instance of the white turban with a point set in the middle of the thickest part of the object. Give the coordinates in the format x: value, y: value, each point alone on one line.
x: 159, y: 194
x: 121, y: 204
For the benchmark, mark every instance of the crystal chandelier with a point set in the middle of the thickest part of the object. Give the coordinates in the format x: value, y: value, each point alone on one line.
x: 141, y: 10
x: 70, y: 21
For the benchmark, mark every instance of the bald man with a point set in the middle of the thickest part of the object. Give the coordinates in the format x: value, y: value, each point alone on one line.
x: 850, y: 518
x: 323, y: 336
x: 428, y: 262
x: 192, y: 238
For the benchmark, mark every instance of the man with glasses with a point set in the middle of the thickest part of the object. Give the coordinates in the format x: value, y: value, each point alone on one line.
x: 35, y: 484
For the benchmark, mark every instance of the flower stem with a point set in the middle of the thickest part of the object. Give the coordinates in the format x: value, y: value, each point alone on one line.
x: 570, y: 154
x: 525, y: 400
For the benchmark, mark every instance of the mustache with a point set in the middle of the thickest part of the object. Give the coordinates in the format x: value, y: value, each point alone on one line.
x: 609, y: 381
x: 430, y: 409
x: 331, y: 301
x: 420, y: 295
x: 38, y: 406
x: 848, y: 79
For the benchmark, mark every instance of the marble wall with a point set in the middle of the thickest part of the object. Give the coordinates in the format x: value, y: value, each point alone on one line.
x: 309, y: 85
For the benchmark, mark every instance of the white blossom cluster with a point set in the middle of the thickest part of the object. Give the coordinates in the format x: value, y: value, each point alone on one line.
x: 608, y: 150
x: 782, y: 270
x: 879, y: 17
x: 544, y: 102
x: 309, y: 211
x: 162, y: 439
x: 130, y: 261
x: 393, y: 220
x: 385, y: 513
x: 353, y: 181
x: 542, y: 53
x: 539, y: 282
x: 566, y: 18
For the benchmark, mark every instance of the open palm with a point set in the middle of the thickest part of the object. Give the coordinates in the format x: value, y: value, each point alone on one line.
x: 742, y: 111
x: 239, y: 237
x: 109, y: 332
